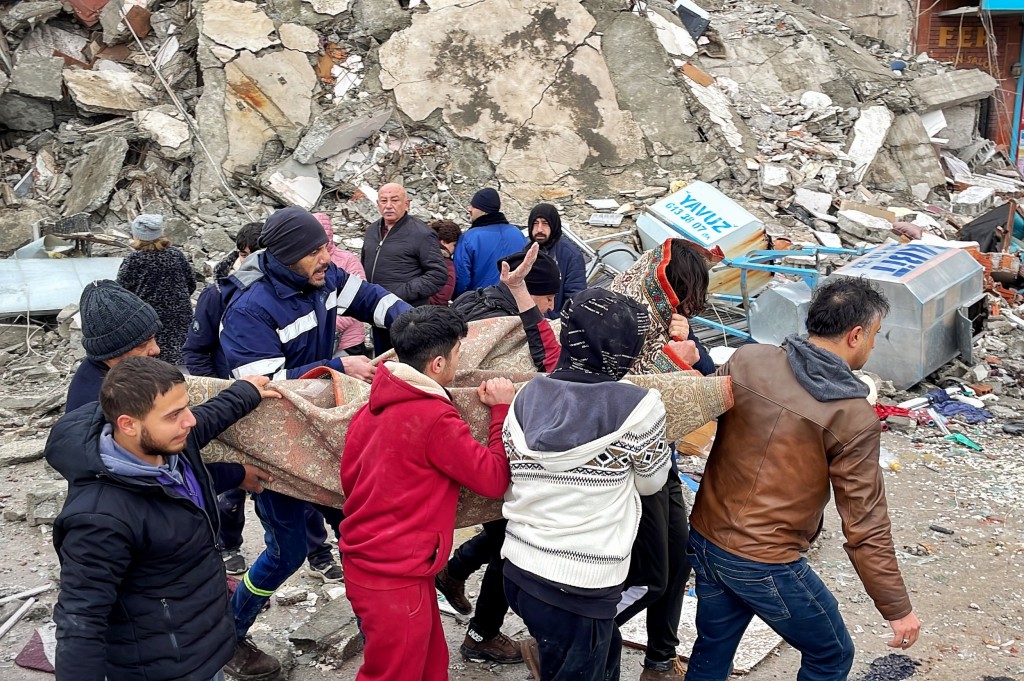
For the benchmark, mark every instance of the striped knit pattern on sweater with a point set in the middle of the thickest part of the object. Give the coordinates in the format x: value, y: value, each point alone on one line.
x: 573, y: 514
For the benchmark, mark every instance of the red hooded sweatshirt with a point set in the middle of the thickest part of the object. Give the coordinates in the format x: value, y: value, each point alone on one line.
x: 406, y: 455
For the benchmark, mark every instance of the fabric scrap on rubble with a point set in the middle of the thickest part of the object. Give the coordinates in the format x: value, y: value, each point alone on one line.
x: 942, y: 403
x: 299, y: 438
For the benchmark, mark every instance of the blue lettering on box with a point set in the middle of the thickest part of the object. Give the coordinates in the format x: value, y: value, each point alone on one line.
x: 897, y: 262
x: 698, y: 220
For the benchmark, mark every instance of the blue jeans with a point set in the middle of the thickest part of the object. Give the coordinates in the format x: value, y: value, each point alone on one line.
x: 231, y: 505
x: 790, y: 598
x: 284, y: 521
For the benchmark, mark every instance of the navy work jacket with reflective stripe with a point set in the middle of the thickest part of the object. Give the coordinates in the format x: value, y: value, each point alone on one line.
x: 277, y: 325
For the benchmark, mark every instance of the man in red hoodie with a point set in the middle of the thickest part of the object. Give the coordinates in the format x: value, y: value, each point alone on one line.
x: 406, y: 455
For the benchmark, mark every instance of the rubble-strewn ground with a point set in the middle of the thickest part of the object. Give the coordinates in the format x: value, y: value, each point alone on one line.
x: 967, y: 587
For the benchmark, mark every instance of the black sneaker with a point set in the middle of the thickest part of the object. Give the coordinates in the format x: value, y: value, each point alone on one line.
x: 234, y: 561
x: 330, y: 572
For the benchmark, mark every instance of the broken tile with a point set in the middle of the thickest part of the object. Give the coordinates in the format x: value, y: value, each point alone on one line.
x: 109, y: 92
x: 168, y: 128
x: 295, y: 183
x: 239, y: 25
x: 36, y: 76
x: 296, y: 37
x: 95, y: 175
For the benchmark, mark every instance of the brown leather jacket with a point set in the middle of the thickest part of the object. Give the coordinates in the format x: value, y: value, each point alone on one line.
x: 767, y: 479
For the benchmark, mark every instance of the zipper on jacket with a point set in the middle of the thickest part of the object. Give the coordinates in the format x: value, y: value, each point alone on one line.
x: 380, y: 246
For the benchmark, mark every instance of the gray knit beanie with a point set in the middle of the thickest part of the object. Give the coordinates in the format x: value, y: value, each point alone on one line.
x: 148, y: 227
x: 114, y: 320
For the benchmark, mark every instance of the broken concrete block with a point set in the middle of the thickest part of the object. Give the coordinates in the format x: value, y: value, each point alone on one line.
x: 43, y: 506
x: 295, y: 183
x: 908, y: 158
x: 95, y: 175
x: 331, y: 631
x: 864, y: 227
x: 239, y: 25
x: 36, y: 76
x: 816, y: 101
x: 25, y: 14
x: 297, y: 37
x: 816, y: 202
x: 676, y: 40
x: 4, y: 82
x: 21, y: 450
x: 324, y: 138
x: 774, y: 181
x: 869, y: 134
x: 109, y: 92
x: 332, y: 7
x: 16, y: 224
x: 25, y: 113
x: 953, y: 88
x: 168, y: 128
x: 974, y: 201
x: 961, y: 125
x: 116, y: 16
x: 291, y: 595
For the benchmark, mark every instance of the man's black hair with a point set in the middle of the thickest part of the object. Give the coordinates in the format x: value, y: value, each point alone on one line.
x: 842, y: 304
x: 423, y: 333
x: 133, y: 384
x: 248, y: 238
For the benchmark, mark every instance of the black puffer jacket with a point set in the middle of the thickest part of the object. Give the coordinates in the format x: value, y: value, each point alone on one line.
x: 407, y: 262
x: 143, y: 594
x: 486, y: 303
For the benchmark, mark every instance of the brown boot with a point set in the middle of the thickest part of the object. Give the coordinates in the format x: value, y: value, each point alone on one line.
x: 454, y: 590
x: 252, y: 664
x: 500, y: 649
x: 531, y: 655
x: 673, y: 670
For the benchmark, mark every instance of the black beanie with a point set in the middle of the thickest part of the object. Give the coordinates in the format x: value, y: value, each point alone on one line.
x: 114, y: 320
x: 544, y: 278
x: 549, y: 213
x: 292, y: 233
x: 602, y: 333
x: 486, y: 200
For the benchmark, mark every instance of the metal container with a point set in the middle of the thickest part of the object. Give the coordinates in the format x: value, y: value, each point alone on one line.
x: 929, y: 289
x: 702, y: 214
x: 780, y: 311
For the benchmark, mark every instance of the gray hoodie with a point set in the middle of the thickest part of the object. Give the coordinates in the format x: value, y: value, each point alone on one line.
x: 825, y: 375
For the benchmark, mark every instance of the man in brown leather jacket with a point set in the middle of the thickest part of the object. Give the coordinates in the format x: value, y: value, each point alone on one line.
x: 800, y: 424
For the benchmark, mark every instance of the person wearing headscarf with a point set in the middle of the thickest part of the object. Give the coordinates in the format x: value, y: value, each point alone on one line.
x: 158, y: 273
x: 545, y: 227
x: 583, y: 445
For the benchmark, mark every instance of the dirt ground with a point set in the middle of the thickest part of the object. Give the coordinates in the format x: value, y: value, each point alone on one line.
x: 967, y: 585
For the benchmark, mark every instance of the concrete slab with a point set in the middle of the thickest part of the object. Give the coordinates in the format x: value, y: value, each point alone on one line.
x: 869, y: 134
x: 239, y: 25
x: 95, y: 175
x: 953, y: 88
x: 25, y: 113
x: 296, y: 37
x: 109, y: 92
x: 168, y: 128
x: 37, y: 76
x: 297, y: 184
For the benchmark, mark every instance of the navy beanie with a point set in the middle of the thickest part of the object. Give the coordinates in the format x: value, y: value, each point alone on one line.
x: 290, y: 234
x: 544, y: 278
x: 486, y: 200
x: 114, y: 320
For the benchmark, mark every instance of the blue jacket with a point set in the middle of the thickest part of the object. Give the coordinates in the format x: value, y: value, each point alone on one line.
x: 490, y: 239
x: 202, y: 353
x: 276, y: 325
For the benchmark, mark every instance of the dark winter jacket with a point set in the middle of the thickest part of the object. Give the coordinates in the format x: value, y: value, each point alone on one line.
x: 565, y: 253
x: 276, y: 325
x: 165, y: 280
x: 407, y: 261
x: 447, y: 292
x: 488, y: 240
x: 202, y: 354
x: 85, y: 384
x: 142, y: 582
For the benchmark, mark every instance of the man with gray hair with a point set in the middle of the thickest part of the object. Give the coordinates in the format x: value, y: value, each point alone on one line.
x: 402, y: 254
x: 800, y: 425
